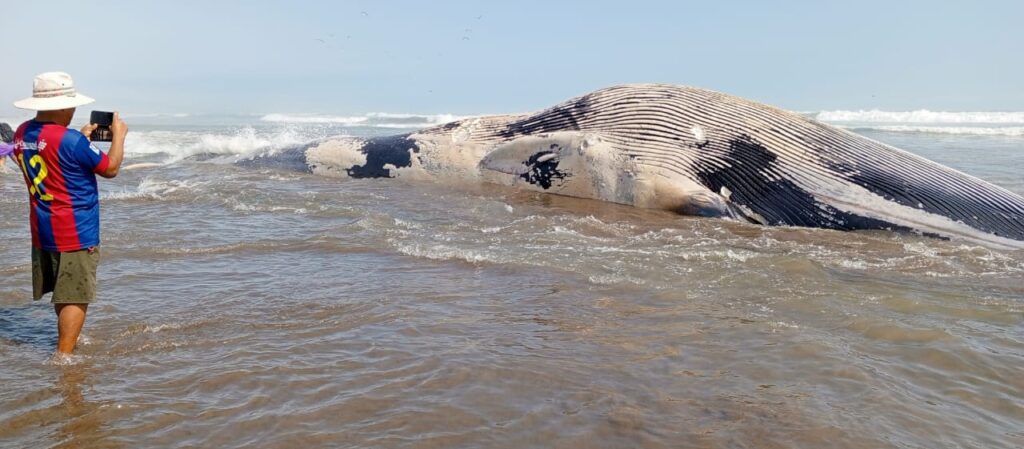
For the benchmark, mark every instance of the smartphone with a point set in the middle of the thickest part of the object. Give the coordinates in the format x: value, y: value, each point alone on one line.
x: 103, y: 120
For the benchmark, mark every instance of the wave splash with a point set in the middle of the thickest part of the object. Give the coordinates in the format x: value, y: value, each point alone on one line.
x: 371, y: 120
x: 245, y: 140
x: 922, y: 116
x: 1010, y: 131
x: 923, y: 121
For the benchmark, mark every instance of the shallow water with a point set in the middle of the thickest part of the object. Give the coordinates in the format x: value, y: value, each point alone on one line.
x: 255, y: 307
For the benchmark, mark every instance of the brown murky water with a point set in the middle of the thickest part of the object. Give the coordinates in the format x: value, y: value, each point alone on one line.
x: 262, y: 308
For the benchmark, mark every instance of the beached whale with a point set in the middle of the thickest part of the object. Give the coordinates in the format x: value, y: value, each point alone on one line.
x: 695, y: 152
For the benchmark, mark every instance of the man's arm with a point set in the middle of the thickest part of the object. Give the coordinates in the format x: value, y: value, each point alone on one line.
x: 116, y: 154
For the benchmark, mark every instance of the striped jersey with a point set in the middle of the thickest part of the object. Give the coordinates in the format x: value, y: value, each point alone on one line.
x: 60, y: 167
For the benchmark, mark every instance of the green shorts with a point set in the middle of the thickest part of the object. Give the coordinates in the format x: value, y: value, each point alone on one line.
x: 70, y: 276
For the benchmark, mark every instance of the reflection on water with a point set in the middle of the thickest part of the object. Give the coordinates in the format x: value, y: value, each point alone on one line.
x: 61, y: 414
x: 81, y: 420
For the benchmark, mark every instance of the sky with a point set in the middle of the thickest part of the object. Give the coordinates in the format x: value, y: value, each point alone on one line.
x: 475, y: 57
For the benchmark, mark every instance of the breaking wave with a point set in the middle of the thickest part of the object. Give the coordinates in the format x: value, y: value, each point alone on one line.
x: 924, y: 121
x: 371, y: 120
x: 149, y: 188
x: 1012, y: 131
x: 246, y: 140
x: 136, y: 115
x: 921, y: 116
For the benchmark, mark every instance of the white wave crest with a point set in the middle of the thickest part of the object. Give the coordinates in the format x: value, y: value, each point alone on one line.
x: 1012, y: 131
x: 179, y: 145
x: 247, y: 140
x: 371, y: 120
x: 135, y: 115
x: 151, y: 189
x: 431, y: 118
x: 314, y: 119
x: 921, y: 116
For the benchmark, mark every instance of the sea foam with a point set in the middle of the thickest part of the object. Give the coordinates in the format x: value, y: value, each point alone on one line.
x: 245, y: 140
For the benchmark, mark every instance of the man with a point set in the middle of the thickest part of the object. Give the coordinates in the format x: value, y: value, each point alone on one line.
x: 60, y: 167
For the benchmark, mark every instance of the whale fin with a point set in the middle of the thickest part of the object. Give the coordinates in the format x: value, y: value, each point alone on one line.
x: 544, y: 161
x: 518, y: 156
x: 586, y: 165
x: 571, y: 163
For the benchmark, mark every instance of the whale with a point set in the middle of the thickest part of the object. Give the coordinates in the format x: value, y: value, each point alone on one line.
x: 695, y: 152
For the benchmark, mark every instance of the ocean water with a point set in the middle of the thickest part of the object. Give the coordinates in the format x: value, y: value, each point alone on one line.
x: 268, y: 307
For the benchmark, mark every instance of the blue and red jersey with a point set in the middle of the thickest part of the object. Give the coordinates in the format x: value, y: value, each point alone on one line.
x: 60, y: 167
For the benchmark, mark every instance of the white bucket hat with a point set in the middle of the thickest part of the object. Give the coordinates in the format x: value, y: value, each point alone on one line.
x: 53, y: 91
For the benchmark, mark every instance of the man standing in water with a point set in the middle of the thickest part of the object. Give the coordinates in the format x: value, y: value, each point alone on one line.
x: 60, y: 167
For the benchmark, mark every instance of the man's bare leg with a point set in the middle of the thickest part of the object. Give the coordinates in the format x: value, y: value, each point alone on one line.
x: 70, y: 318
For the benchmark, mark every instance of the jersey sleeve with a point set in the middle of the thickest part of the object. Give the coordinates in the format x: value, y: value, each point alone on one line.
x: 90, y: 157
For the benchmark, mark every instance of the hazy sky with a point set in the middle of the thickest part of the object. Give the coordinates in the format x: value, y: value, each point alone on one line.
x: 468, y: 57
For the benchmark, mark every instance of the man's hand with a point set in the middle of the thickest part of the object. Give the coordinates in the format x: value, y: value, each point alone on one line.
x: 116, y: 154
x: 118, y: 127
x: 88, y: 129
